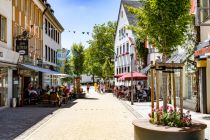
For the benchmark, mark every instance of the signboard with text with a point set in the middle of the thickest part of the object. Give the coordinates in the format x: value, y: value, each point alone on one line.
x: 22, y: 47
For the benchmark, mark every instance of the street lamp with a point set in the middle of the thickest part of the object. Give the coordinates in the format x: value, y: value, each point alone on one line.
x: 131, y: 55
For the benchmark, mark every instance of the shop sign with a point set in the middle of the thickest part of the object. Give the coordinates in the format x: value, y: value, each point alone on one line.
x: 22, y: 47
x: 202, y: 51
x: 201, y: 63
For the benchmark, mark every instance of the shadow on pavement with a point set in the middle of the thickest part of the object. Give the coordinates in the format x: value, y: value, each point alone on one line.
x: 15, y: 121
x: 89, y: 98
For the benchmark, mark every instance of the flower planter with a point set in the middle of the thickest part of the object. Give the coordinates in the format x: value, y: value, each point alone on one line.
x: 144, y: 130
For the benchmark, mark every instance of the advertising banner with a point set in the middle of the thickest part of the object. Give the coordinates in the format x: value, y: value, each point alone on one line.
x: 61, y: 59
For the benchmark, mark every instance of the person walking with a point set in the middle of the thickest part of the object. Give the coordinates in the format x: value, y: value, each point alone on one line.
x: 88, y: 87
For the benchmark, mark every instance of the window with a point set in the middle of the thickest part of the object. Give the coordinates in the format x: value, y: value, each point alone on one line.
x: 128, y: 69
x: 52, y: 56
x: 54, y: 34
x: 123, y: 48
x: 46, y: 23
x: 117, y: 51
x: 127, y: 44
x: 49, y: 29
x: 58, y: 38
x: 46, y: 52
x: 125, y: 69
x: 3, y: 29
x: 120, y: 49
x: 55, y: 57
x: 52, y: 31
x: 206, y: 13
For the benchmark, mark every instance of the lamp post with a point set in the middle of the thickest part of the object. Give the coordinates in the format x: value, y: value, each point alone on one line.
x: 131, y: 55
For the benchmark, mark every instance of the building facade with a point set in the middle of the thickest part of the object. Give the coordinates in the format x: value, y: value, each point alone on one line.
x: 125, y: 40
x: 202, y: 55
x: 51, y: 44
x: 8, y: 58
x: 125, y: 44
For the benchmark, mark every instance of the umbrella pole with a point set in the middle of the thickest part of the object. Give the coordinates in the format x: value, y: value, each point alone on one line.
x: 132, y: 79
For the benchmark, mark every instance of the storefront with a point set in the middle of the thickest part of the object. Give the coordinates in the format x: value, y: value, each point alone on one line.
x: 202, y: 55
x: 8, y: 63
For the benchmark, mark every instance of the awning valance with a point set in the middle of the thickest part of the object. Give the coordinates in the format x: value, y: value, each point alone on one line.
x: 43, y: 70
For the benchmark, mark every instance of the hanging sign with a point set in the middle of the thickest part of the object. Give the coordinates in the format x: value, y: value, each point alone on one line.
x: 22, y: 47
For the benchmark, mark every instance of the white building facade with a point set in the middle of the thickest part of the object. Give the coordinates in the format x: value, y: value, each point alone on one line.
x: 8, y: 58
x: 124, y: 40
x: 51, y: 43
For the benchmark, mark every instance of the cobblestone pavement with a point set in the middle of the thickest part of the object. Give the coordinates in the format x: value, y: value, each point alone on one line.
x: 14, y: 121
x: 144, y: 108
x: 99, y: 117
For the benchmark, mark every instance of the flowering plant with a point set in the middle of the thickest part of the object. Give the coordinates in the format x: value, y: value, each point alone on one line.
x: 171, y: 117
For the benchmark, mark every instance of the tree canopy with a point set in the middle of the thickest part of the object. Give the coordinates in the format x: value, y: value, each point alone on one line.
x: 77, y: 58
x: 163, y: 22
x: 101, y: 51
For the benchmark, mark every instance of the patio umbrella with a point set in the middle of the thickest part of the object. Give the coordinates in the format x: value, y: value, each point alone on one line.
x: 136, y: 76
x: 120, y: 75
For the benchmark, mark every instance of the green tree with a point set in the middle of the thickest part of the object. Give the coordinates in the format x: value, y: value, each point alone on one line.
x: 165, y: 23
x: 101, y: 48
x: 77, y: 58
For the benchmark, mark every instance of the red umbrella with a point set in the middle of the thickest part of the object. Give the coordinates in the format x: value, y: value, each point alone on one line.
x: 136, y: 76
x: 120, y: 75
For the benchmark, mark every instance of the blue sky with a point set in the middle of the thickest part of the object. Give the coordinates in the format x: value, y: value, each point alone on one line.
x: 81, y: 16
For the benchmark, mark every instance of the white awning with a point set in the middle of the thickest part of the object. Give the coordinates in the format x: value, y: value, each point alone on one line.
x: 43, y: 70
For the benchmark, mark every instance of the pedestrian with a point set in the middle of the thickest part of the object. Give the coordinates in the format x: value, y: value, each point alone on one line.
x: 88, y: 87
x: 96, y: 87
x: 102, y: 87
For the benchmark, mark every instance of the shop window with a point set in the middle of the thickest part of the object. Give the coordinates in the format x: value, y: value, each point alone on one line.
x: 3, y: 29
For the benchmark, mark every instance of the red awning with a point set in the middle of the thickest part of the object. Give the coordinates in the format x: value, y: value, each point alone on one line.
x: 136, y: 76
x: 120, y: 75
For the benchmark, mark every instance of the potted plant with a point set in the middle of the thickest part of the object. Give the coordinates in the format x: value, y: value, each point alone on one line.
x: 166, y: 122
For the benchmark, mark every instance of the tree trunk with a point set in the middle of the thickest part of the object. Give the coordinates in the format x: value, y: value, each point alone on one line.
x: 164, y: 89
x: 93, y: 78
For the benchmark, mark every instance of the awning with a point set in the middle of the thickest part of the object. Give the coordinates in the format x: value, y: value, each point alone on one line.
x: 43, y: 70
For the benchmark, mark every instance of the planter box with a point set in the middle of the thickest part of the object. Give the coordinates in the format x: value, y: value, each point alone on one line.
x: 144, y: 130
